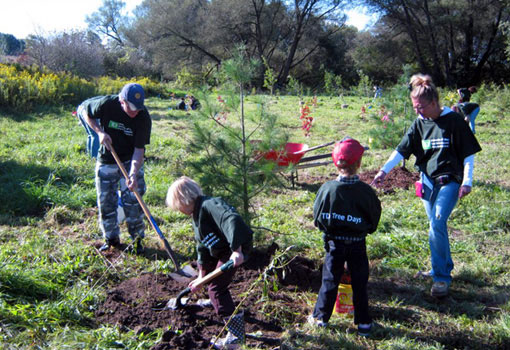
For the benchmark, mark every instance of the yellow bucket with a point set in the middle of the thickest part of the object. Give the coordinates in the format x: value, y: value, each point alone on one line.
x: 343, y: 303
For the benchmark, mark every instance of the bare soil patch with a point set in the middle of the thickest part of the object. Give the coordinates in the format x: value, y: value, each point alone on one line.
x: 136, y: 304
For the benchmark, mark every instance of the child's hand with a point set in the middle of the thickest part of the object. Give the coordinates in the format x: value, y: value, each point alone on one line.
x: 237, y: 257
x: 193, y: 287
x: 201, y: 274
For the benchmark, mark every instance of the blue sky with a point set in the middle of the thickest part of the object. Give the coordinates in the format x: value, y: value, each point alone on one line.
x: 23, y: 17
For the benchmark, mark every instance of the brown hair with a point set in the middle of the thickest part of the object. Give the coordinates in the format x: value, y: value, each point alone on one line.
x: 421, y: 86
x: 348, y: 169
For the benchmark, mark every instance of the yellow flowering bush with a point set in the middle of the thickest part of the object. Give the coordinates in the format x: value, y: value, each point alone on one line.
x: 23, y: 88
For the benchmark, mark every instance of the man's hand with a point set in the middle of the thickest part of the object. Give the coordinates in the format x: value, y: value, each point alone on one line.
x: 132, y: 183
x: 105, y: 139
x: 378, y: 179
x: 464, y: 191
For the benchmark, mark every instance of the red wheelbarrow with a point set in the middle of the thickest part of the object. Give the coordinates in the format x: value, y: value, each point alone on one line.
x: 293, y: 153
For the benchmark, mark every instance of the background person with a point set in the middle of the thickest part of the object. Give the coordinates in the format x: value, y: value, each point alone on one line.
x: 444, y: 147
x: 345, y: 210
x: 466, y: 108
x: 220, y: 234
x: 182, y: 104
x: 122, y: 122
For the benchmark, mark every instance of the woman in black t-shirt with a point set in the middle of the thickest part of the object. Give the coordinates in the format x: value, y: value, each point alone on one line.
x: 444, y: 147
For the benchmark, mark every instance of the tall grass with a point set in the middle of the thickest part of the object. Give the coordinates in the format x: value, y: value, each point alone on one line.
x: 52, y: 279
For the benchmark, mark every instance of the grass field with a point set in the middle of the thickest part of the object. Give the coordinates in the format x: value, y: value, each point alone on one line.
x: 52, y: 278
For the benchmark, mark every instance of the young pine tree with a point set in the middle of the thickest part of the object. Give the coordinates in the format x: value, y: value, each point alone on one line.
x: 232, y: 135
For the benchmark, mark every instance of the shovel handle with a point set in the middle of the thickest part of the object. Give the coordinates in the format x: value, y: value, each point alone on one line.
x: 212, y: 275
x: 146, y: 211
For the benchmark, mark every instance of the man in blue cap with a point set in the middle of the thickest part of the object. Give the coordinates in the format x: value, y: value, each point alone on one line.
x: 123, y: 123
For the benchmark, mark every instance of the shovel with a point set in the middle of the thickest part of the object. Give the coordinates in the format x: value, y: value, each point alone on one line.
x: 189, y: 271
x: 176, y: 303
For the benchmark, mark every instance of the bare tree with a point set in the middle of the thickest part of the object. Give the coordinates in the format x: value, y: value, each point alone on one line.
x: 77, y: 52
x: 108, y: 20
x: 452, y: 40
x: 199, y: 33
x: 306, y: 13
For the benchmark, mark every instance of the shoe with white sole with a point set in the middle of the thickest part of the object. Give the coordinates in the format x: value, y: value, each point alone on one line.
x: 365, y: 329
x: 439, y: 289
x: 316, y: 322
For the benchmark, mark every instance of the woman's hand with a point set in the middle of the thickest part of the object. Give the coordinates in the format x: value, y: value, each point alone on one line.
x: 378, y: 179
x: 464, y: 191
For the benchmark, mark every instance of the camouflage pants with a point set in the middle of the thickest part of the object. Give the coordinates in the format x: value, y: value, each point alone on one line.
x: 108, y: 179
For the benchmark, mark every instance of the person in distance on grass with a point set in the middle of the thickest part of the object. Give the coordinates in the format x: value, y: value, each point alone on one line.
x: 220, y: 235
x: 345, y: 210
x: 444, y: 147
x: 466, y: 108
x: 122, y: 122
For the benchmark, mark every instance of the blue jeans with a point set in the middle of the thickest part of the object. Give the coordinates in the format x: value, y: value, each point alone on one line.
x: 438, y: 209
x: 92, y: 137
x: 472, y: 118
x: 337, y: 253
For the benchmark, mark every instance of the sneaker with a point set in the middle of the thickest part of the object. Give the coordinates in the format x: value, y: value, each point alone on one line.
x: 114, y: 242
x: 138, y: 245
x: 316, y: 322
x: 229, y: 342
x: 364, y: 329
x: 423, y: 274
x: 439, y: 289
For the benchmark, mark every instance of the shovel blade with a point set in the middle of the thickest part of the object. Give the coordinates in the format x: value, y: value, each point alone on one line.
x: 179, y: 278
x: 188, y: 270
x: 172, y: 303
x: 184, y: 275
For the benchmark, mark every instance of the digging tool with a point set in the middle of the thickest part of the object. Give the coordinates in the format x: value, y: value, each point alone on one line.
x: 177, y: 303
x: 162, y: 238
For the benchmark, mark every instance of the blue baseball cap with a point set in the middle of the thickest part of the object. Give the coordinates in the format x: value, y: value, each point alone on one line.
x: 134, y: 94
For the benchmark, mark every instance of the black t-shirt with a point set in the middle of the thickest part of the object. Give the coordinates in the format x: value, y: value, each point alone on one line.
x: 346, y: 209
x: 126, y: 133
x: 218, y: 229
x: 440, y: 146
x: 467, y: 107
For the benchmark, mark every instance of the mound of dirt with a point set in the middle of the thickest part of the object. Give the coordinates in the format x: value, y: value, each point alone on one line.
x: 399, y: 177
x: 138, y: 304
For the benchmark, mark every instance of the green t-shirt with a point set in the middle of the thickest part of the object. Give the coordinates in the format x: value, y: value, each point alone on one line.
x: 440, y: 146
x: 126, y: 133
x: 219, y: 229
